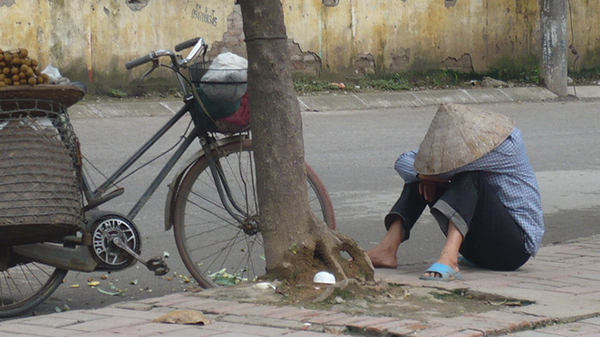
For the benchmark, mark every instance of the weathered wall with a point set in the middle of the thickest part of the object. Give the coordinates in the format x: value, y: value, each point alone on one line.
x: 91, y: 40
x: 401, y: 35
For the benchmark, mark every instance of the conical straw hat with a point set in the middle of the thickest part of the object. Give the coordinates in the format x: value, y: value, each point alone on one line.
x: 459, y: 135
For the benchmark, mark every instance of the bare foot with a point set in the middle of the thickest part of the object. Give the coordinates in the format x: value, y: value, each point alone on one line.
x: 449, y: 255
x: 382, y: 259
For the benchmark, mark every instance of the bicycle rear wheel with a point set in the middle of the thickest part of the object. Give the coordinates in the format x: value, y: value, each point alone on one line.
x: 24, y: 285
x: 217, y: 249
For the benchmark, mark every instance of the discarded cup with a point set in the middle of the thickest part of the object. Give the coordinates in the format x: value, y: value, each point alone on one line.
x: 324, y: 277
x: 263, y: 286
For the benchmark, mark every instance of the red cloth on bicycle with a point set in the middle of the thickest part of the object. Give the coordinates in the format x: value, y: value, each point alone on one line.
x: 239, y: 120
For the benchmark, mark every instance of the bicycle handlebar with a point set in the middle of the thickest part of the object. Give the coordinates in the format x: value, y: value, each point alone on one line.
x: 186, y: 44
x: 139, y: 62
x: 197, y: 43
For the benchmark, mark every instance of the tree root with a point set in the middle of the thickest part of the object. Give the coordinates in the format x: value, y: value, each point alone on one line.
x: 379, y: 287
x: 321, y: 250
x: 330, y: 244
x: 329, y: 291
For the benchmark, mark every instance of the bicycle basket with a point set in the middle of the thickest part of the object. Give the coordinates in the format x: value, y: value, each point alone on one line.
x: 223, y: 79
x: 39, y: 190
x: 198, y: 70
x: 220, y: 93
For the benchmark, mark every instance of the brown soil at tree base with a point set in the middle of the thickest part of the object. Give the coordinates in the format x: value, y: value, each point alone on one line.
x: 373, y: 299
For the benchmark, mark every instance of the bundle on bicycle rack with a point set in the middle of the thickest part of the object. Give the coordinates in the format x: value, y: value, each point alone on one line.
x: 221, y: 86
x: 39, y: 190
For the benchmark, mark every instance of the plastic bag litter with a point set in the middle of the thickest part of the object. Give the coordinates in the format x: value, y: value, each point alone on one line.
x: 54, y: 76
x: 226, y: 78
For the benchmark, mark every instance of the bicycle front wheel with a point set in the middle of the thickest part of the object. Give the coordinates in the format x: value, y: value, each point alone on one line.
x: 24, y: 285
x: 217, y: 249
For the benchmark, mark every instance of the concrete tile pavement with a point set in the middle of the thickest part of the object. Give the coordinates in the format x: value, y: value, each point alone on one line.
x: 562, y: 284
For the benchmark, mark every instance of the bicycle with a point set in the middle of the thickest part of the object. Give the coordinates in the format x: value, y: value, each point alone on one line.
x: 211, y: 205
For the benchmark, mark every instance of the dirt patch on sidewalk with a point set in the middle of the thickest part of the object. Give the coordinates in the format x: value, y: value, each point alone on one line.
x: 377, y: 299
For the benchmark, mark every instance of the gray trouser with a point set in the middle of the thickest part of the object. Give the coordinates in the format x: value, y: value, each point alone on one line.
x: 492, y: 239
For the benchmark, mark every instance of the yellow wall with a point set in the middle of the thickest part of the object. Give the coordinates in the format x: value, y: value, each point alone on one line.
x: 415, y: 33
x: 91, y: 40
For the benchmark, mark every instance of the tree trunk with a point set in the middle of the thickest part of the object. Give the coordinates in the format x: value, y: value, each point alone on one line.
x: 296, y: 243
x: 553, y: 68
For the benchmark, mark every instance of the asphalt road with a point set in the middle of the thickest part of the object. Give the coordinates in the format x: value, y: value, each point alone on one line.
x: 353, y: 152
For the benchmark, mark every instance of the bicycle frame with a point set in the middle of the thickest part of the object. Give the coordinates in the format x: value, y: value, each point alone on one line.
x: 97, y: 197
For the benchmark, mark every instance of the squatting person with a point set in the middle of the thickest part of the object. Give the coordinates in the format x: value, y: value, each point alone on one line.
x: 473, y: 172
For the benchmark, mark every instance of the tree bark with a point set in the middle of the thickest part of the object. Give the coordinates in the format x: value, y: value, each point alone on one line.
x: 296, y: 243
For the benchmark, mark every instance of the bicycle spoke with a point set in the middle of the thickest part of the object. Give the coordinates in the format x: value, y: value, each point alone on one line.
x: 220, y: 256
x: 24, y: 286
x: 211, y: 212
x: 8, y: 281
x: 245, y: 264
x: 249, y: 260
x: 209, y: 238
x: 218, y: 243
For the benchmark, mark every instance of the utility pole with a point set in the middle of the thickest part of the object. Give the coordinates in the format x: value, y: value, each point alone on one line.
x: 553, y: 68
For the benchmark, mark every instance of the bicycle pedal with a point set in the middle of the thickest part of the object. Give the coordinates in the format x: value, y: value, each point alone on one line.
x: 161, y: 271
x: 158, y: 266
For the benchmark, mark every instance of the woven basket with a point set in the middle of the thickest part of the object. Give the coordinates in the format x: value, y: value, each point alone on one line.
x: 66, y: 95
x: 39, y: 191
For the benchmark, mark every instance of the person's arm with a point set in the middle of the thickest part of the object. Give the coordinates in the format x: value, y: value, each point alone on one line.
x: 405, y: 166
x: 428, y: 185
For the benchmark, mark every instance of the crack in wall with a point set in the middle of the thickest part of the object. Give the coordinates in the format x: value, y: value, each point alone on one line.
x: 7, y: 3
x: 135, y: 5
x: 463, y: 64
x: 233, y: 37
x: 364, y: 64
x: 303, y: 62
x: 400, y: 60
x: 449, y: 3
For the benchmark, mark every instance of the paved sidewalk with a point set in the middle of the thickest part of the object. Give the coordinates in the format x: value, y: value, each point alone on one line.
x: 562, y: 283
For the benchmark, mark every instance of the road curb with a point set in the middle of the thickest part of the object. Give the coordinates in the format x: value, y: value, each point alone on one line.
x: 340, y: 101
x: 405, y: 99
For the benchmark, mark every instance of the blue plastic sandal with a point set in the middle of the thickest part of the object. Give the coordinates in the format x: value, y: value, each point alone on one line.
x: 447, y: 273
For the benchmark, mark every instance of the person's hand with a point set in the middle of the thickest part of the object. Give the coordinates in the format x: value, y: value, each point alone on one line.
x: 429, y: 186
x: 428, y: 189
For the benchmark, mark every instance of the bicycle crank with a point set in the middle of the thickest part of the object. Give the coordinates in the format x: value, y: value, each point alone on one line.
x: 155, y: 264
x: 105, y: 228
